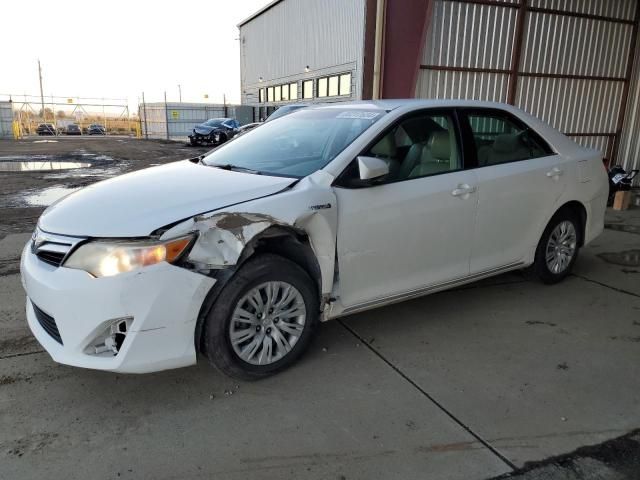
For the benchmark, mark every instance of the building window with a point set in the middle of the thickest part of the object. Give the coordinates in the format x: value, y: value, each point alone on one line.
x: 345, y: 84
x: 307, y: 89
x: 293, y: 91
x: 285, y: 93
x: 334, y: 86
x: 261, y: 95
x: 322, y: 86
x: 277, y: 93
x: 270, y: 94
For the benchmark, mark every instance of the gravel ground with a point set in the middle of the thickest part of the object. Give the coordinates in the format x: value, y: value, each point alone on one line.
x: 24, y: 195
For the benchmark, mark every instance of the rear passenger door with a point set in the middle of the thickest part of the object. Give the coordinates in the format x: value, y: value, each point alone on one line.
x: 520, y: 180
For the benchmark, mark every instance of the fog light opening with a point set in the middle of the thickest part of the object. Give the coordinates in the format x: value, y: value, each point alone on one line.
x: 110, y: 341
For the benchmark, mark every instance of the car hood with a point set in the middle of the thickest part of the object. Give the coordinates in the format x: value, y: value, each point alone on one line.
x: 204, y: 129
x: 136, y: 204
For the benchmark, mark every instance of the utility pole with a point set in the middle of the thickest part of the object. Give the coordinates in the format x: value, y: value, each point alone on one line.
x: 144, y: 110
x: 166, y: 113
x: 180, y: 92
x: 41, y: 93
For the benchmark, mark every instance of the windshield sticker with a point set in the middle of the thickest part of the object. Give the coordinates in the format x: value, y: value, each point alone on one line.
x: 359, y: 115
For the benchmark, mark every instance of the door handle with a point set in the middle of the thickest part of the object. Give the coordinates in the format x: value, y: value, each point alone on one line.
x: 554, y: 172
x: 462, y: 190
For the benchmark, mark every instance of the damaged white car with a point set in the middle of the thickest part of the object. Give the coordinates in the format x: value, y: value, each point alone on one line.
x: 328, y: 211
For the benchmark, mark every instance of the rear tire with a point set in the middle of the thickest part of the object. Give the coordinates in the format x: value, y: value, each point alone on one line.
x: 558, y: 248
x: 263, y: 320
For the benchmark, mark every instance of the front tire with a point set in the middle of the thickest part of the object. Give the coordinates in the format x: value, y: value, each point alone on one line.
x: 263, y: 319
x: 558, y: 248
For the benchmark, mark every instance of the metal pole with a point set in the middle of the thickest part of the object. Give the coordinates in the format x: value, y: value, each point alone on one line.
x: 224, y: 103
x: 41, y: 91
x: 53, y: 114
x: 517, y: 51
x: 180, y: 92
x: 104, y: 115
x: 166, y: 113
x: 625, y: 89
x: 144, y: 111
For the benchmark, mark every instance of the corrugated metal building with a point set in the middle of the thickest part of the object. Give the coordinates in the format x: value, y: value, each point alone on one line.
x: 573, y: 63
x: 6, y: 119
x: 302, y: 51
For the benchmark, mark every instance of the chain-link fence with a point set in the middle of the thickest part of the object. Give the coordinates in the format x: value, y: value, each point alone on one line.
x: 68, y: 115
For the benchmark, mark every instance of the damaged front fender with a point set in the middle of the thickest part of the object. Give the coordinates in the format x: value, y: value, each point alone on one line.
x: 223, y: 237
x: 308, y: 210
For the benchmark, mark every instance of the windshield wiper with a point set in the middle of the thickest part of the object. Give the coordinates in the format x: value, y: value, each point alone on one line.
x: 235, y: 168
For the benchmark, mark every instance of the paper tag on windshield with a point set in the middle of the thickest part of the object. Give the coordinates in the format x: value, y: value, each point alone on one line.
x: 355, y: 114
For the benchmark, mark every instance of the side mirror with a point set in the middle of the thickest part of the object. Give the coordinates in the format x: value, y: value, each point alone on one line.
x: 372, y: 167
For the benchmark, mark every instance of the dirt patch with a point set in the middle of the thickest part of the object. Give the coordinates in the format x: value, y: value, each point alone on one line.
x: 19, y: 344
x: 615, y: 459
x: 24, y: 195
x: 623, y: 228
x: 627, y: 258
x: 9, y: 379
x: 30, y: 444
x: 9, y: 266
x: 538, y: 322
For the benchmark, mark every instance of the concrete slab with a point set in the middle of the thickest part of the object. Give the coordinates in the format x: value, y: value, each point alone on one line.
x: 535, y: 370
x: 342, y: 413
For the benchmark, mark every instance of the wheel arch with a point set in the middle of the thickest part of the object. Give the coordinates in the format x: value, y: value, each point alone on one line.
x: 577, y: 209
x: 287, y: 242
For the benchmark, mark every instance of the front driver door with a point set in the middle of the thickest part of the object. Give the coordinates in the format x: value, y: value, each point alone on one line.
x: 412, y: 229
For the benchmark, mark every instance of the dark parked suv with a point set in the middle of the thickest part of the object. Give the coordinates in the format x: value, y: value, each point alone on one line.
x: 73, y: 129
x: 46, y: 129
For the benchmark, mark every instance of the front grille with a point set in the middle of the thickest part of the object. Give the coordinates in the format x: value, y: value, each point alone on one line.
x: 52, y: 248
x: 48, y: 323
x: 52, y: 258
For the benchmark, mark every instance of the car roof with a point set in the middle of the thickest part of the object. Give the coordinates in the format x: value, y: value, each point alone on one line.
x: 392, y: 104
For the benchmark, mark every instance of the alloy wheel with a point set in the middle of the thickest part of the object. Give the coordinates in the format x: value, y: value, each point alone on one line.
x: 267, y: 322
x: 561, y: 247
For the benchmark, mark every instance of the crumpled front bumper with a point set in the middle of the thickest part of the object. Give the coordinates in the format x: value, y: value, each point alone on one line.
x: 163, y: 301
x: 205, y: 137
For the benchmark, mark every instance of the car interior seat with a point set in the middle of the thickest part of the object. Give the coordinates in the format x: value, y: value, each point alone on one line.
x: 386, y: 149
x: 505, y: 148
x: 437, y: 156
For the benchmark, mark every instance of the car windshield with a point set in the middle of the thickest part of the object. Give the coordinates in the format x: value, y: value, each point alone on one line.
x: 296, y: 145
x: 214, y: 122
x: 282, y: 111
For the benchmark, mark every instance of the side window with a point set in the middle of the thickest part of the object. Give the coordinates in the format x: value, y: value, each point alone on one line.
x: 419, y: 146
x: 499, y: 138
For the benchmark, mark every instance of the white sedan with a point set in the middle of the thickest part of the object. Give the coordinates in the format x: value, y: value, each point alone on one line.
x: 325, y: 212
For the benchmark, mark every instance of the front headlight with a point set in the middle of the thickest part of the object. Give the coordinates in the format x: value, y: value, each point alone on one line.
x: 107, y: 258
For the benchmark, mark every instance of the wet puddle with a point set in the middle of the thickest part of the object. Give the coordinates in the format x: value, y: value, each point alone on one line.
x: 628, y: 258
x: 40, y: 166
x: 46, y: 197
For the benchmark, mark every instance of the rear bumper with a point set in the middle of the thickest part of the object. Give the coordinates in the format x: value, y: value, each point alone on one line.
x: 163, y: 301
